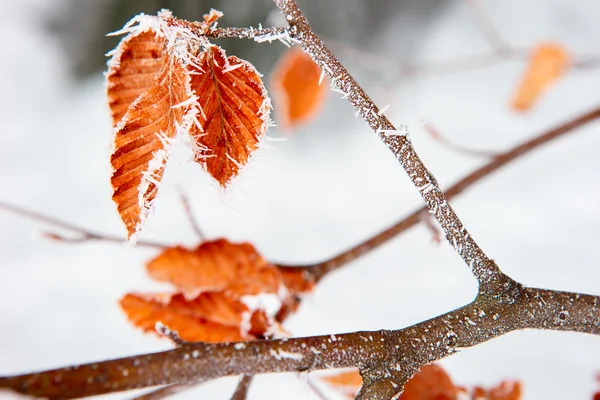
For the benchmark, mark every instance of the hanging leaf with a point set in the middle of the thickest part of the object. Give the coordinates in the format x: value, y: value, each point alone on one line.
x: 142, y: 143
x: 132, y: 70
x: 210, y: 317
x: 216, y: 265
x: 299, y: 91
x: 234, y: 112
x: 548, y: 62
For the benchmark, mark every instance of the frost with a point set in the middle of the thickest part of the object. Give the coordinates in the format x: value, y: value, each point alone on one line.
x: 282, y: 354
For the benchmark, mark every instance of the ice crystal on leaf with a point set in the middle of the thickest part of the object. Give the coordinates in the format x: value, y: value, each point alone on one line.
x: 165, y: 80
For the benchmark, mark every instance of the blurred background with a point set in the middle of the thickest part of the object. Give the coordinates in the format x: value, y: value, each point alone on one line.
x: 326, y: 186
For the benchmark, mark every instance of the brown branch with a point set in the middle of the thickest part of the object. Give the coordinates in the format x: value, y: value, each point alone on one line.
x: 85, y: 235
x: 190, y: 215
x: 323, y: 268
x: 241, y: 391
x: 484, y: 269
x: 377, y: 354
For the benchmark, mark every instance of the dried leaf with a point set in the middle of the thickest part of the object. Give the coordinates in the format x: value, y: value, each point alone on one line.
x: 299, y: 91
x: 210, y: 317
x: 132, y: 70
x: 142, y: 142
x: 431, y: 383
x: 347, y: 382
x: 234, y: 113
x: 297, y: 281
x: 218, y: 266
x: 548, y: 62
x: 506, y: 390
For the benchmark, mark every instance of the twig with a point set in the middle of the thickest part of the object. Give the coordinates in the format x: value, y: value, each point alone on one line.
x: 487, y: 28
x: 188, y: 211
x: 315, y: 389
x: 241, y: 391
x: 85, y: 234
x: 323, y: 268
x: 438, y: 137
x: 377, y: 352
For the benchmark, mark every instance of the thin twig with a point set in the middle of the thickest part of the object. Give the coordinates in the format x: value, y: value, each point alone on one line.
x: 85, y: 234
x: 319, y: 270
x: 241, y: 390
x: 188, y: 211
x: 441, y: 139
x: 315, y: 389
x: 487, y: 28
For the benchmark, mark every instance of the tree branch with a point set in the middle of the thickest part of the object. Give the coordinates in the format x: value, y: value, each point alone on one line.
x: 484, y: 269
x: 321, y: 269
x: 85, y: 234
x: 377, y: 354
x: 241, y: 391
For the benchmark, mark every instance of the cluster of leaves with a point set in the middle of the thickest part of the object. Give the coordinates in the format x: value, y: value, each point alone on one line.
x: 166, y: 80
x: 219, y: 287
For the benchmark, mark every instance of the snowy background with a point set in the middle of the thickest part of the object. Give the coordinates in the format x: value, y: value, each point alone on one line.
x: 325, y: 188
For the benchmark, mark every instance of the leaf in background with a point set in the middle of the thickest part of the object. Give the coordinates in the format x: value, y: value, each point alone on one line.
x: 132, y: 70
x: 142, y: 143
x: 548, y: 62
x: 216, y: 265
x: 210, y: 317
x: 506, y: 390
x: 347, y: 382
x: 430, y: 383
x: 234, y: 112
x: 299, y: 94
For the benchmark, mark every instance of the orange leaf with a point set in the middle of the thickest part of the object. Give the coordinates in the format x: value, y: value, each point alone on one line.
x: 299, y: 94
x: 141, y: 144
x: 348, y: 382
x: 506, y: 390
x: 133, y: 68
x: 548, y: 63
x: 216, y: 265
x: 430, y: 383
x: 210, y: 317
x: 234, y: 112
x: 297, y: 281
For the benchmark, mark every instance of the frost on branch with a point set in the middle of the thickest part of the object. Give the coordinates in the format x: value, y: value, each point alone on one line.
x: 164, y: 80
